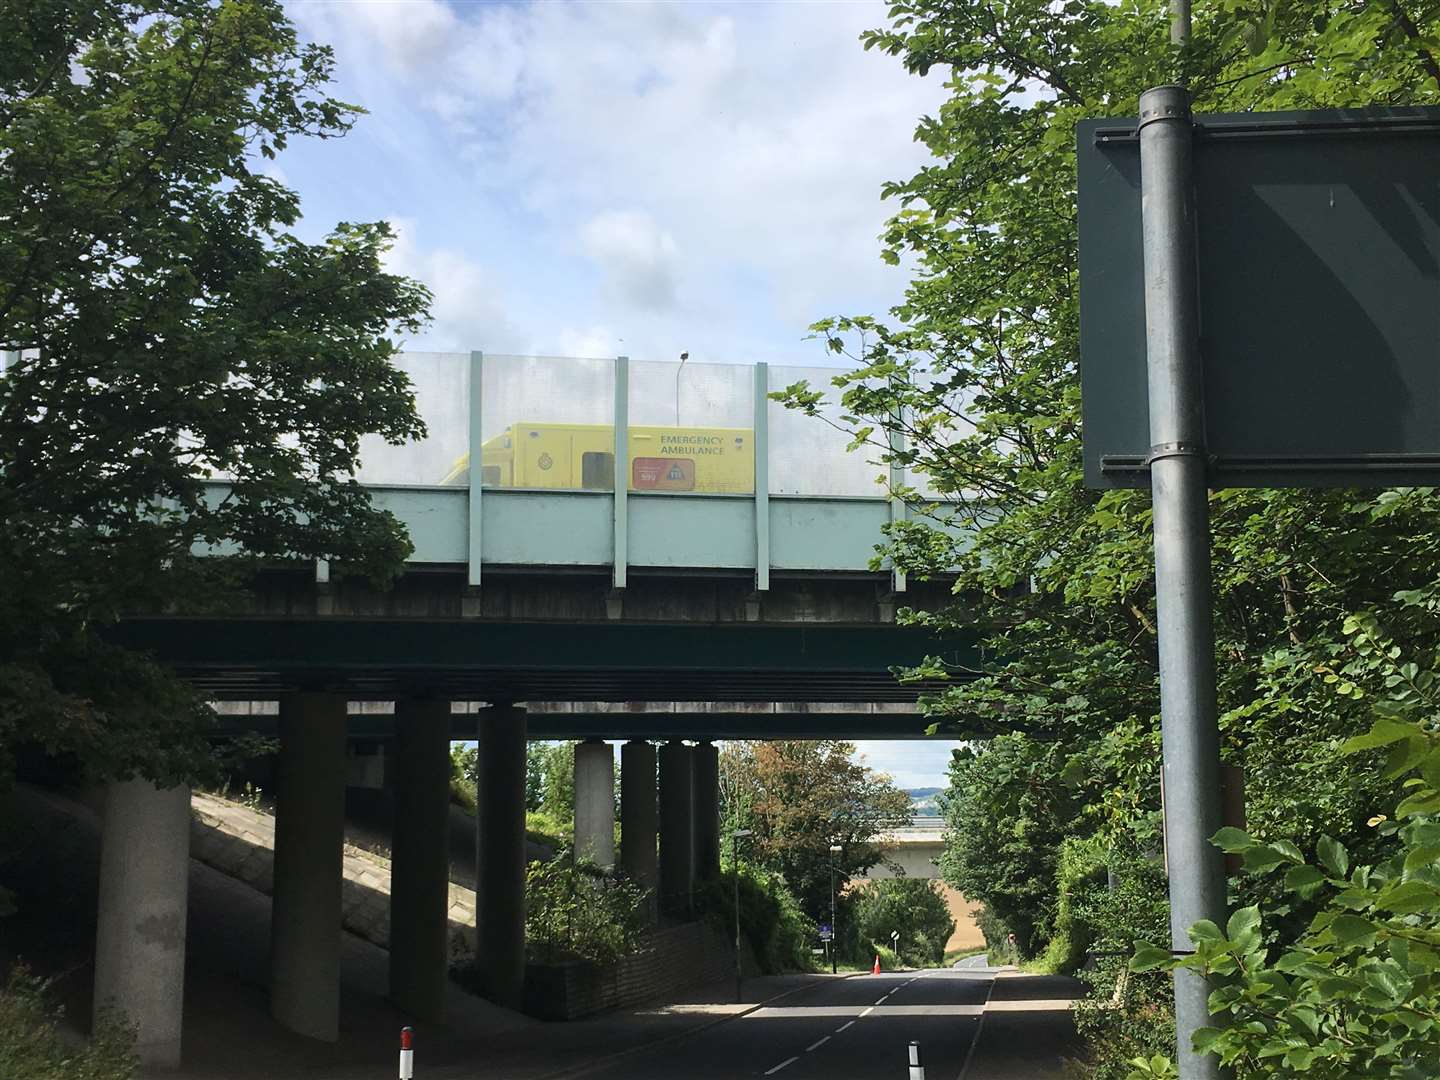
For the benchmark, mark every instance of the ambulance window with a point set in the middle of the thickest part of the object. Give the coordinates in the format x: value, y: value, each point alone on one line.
x: 597, y: 470
x: 490, y: 476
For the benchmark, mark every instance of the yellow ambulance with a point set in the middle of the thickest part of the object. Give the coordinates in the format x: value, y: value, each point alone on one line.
x: 570, y: 456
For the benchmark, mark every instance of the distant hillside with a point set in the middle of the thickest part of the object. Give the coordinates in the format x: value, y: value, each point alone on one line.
x: 924, y: 801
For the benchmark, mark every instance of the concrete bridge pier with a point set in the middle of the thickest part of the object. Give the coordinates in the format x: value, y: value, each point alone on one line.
x: 705, y: 798
x: 677, y: 849
x: 638, y: 817
x: 309, y: 856
x: 140, y: 936
x: 500, y: 852
x: 595, y: 802
x: 420, y: 858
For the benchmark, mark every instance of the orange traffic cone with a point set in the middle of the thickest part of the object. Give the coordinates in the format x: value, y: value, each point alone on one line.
x: 876, y: 969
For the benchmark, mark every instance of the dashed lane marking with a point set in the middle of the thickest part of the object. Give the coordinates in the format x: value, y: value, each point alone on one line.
x: 787, y: 1061
x: 842, y: 1027
x: 817, y: 1043
x: 867, y: 1012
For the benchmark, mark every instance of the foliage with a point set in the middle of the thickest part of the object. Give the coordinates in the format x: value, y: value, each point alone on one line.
x: 912, y: 906
x: 1080, y: 868
x: 32, y: 1047
x: 543, y: 829
x: 999, y: 949
x: 977, y: 371
x: 464, y: 764
x: 534, y: 776
x: 555, y: 763
x: 1007, y: 812
x: 1356, y: 993
x: 889, y: 960
x: 800, y: 798
x: 1126, y: 1014
x: 574, y: 910
x: 780, y: 934
x: 171, y: 330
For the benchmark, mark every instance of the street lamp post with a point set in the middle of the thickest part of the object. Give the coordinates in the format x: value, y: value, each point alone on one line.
x: 735, y: 872
x: 835, y: 849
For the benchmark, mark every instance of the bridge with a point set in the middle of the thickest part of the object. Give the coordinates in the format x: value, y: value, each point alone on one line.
x: 602, y: 550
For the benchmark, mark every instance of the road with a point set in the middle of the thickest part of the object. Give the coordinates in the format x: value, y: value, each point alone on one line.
x: 847, y: 1029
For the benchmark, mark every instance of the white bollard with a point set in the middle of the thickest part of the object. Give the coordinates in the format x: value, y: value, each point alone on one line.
x: 917, y: 1071
x: 407, y: 1053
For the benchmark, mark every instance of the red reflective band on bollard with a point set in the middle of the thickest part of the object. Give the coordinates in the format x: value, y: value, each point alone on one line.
x: 407, y: 1053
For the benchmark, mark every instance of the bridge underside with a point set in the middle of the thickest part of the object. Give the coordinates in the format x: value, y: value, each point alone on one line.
x: 258, y: 658
x: 701, y: 721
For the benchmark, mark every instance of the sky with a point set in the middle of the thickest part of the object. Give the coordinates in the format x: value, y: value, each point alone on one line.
x: 645, y: 179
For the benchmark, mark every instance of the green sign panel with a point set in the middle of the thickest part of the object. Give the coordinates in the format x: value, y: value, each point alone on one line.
x: 1319, y: 241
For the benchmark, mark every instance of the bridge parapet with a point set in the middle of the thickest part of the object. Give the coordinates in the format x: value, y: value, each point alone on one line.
x: 632, y: 467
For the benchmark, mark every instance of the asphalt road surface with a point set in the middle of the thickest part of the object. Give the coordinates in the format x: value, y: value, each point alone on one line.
x: 847, y: 1029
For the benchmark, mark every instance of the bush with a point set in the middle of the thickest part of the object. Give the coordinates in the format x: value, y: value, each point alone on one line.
x: 1080, y: 869
x: 575, y: 911
x: 914, y: 907
x: 779, y: 933
x: 888, y: 960
x: 996, y: 932
x: 1357, y: 991
x: 462, y: 777
x: 31, y: 1049
x: 541, y: 828
x: 1126, y: 1015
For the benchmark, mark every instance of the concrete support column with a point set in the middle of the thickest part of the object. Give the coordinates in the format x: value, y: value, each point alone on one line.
x: 500, y: 812
x: 638, y: 817
x: 677, y: 863
x: 420, y: 858
x: 706, y: 798
x: 309, y: 857
x: 140, y: 937
x: 595, y: 802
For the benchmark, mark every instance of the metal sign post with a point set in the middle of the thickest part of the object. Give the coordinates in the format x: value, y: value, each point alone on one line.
x: 1184, y: 631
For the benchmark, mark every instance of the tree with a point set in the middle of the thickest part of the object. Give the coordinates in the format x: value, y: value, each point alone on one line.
x: 557, y: 772
x: 1007, y: 813
x: 801, y: 797
x: 977, y: 369
x: 171, y: 330
x: 912, y: 907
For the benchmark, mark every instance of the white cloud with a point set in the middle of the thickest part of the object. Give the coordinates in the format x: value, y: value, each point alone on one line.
x: 637, y: 257
x: 752, y: 139
x: 911, y: 763
x: 468, y: 308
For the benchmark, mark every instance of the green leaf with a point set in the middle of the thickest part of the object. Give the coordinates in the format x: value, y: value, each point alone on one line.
x: 1424, y: 801
x: 1381, y: 733
x: 1304, y: 879
x: 1333, y: 856
x: 1231, y: 839
x: 1205, y: 930
x: 1408, y: 897
x: 1353, y: 930
x: 1149, y: 957
x: 1244, y: 923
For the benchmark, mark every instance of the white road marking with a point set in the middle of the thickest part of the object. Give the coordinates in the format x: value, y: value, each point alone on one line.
x: 787, y: 1061
x: 884, y: 999
x: 817, y: 1043
x: 867, y: 1012
x: 842, y: 1027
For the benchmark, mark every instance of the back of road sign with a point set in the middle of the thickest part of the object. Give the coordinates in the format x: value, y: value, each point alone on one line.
x: 1319, y: 240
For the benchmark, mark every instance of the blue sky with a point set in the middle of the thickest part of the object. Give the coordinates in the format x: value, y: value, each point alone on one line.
x: 591, y: 179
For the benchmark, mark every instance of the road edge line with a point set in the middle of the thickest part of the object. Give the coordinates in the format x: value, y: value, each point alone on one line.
x: 979, y: 1030
x: 610, y: 1059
